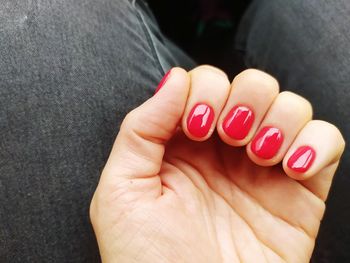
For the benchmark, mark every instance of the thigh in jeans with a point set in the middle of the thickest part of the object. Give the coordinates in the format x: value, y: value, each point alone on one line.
x: 305, y: 44
x: 69, y: 72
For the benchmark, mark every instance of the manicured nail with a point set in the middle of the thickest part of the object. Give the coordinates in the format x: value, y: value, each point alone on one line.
x: 267, y: 142
x: 200, y: 119
x: 163, y: 81
x: 238, y: 122
x: 302, y: 159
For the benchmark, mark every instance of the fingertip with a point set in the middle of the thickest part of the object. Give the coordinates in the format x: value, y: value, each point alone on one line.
x: 209, y: 68
x: 318, y: 145
x: 255, y: 77
x: 175, y: 76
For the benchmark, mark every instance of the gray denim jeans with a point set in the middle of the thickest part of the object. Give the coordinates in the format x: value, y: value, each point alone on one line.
x: 71, y: 70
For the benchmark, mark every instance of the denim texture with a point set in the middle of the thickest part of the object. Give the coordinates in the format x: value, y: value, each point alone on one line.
x: 69, y: 72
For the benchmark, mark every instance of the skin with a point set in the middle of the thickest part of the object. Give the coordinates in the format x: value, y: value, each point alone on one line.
x: 167, y: 196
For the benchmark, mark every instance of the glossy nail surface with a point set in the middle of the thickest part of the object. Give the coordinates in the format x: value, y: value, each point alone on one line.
x: 238, y: 122
x: 200, y: 119
x: 302, y: 159
x: 267, y: 142
x: 163, y: 81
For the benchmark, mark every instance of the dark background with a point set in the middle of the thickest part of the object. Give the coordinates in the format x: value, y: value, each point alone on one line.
x: 205, y: 29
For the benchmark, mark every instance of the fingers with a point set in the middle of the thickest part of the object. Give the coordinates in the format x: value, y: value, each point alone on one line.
x: 278, y: 127
x: 209, y: 91
x: 251, y: 112
x: 274, y: 126
x: 139, y: 147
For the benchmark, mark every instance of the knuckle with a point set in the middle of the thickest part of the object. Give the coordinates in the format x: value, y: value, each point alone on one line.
x: 210, y: 77
x: 299, y: 104
x: 336, y: 133
x: 179, y: 70
x: 129, y: 118
x: 331, y: 131
x: 209, y: 68
x: 259, y: 81
x: 93, y: 210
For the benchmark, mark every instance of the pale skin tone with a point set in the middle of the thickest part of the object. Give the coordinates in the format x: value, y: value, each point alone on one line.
x: 167, y: 196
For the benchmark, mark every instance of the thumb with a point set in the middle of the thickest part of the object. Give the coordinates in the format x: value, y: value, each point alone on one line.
x: 139, y: 148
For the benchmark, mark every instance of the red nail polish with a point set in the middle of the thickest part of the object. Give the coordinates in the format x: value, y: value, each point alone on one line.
x: 200, y: 119
x: 267, y: 142
x: 163, y: 81
x: 302, y: 159
x: 238, y: 122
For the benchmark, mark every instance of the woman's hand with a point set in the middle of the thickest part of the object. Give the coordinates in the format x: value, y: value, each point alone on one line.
x: 215, y: 190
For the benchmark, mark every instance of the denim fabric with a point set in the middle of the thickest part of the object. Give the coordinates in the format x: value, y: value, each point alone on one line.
x: 69, y: 72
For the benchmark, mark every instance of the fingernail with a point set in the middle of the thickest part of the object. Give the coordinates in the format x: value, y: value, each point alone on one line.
x: 302, y: 159
x: 267, y: 142
x: 238, y: 122
x: 200, y: 119
x: 163, y: 81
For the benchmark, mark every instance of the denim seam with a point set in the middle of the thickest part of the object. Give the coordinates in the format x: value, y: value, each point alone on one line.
x: 148, y: 36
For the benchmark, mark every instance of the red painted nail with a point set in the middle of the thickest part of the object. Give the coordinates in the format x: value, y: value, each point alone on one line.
x: 267, y: 142
x: 200, y: 120
x: 302, y: 159
x: 238, y: 122
x: 163, y: 81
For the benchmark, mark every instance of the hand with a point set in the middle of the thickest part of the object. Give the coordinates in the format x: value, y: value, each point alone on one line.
x: 244, y: 179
